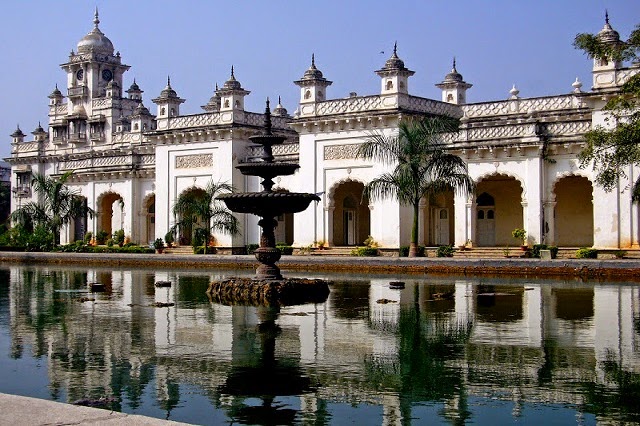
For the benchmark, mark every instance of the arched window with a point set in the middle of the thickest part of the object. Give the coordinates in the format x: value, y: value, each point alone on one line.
x: 485, y: 199
x: 389, y: 85
x: 307, y: 94
x: 480, y: 214
x: 490, y: 214
x: 135, y: 126
x: 449, y: 97
x: 226, y: 103
x: 173, y: 112
x: 349, y: 202
x: 163, y: 111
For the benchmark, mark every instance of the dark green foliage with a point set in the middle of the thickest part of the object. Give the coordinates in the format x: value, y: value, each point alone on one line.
x: 445, y: 251
x: 169, y: 237
x: 535, y: 251
x: 158, y: 244
x: 251, y: 248
x: 611, y: 151
x: 101, y: 237
x: 587, y: 253
x: 200, y: 250
x: 87, y: 237
x: 118, y: 237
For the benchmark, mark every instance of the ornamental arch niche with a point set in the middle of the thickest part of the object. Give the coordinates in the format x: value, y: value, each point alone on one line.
x: 351, y: 216
x: 110, y: 212
x: 573, y: 211
x: 149, y: 222
x: 498, y: 210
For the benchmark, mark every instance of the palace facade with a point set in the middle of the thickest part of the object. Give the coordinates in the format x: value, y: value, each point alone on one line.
x: 131, y: 164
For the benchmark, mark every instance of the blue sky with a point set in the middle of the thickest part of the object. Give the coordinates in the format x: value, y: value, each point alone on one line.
x: 496, y: 43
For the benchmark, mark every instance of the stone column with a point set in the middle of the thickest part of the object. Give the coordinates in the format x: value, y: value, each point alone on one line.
x: 549, y: 225
x: 328, y: 211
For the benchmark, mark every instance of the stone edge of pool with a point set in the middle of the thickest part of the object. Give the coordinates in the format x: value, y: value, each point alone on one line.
x: 23, y: 410
x: 584, y: 268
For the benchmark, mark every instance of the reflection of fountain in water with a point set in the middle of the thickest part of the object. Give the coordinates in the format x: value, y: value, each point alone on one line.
x: 266, y: 378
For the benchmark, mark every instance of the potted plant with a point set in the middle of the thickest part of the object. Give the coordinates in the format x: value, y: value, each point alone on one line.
x: 168, y: 238
x: 521, y: 235
x: 158, y: 244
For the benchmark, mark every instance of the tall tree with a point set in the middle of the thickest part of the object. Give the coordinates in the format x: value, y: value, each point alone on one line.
x: 203, y: 214
x: 612, y: 150
x: 423, y: 166
x: 57, y: 204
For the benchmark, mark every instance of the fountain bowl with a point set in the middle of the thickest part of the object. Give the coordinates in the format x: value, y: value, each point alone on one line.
x: 268, y: 204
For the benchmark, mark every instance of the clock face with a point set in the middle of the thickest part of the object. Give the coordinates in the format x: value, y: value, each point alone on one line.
x: 107, y: 75
x: 79, y: 74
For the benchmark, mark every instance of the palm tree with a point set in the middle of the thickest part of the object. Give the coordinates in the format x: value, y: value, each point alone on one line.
x: 57, y: 205
x: 423, y: 166
x: 203, y: 214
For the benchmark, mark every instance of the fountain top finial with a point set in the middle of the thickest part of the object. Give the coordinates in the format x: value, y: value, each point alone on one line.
x: 267, y: 119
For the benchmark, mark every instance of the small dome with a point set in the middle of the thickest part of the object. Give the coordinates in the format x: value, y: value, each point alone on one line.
x: 279, y: 110
x: 18, y: 133
x: 232, y: 83
x: 56, y: 93
x: 394, y: 62
x: 607, y: 34
x: 454, y: 75
x: 95, y: 41
x: 313, y: 73
x: 134, y: 87
x: 38, y: 130
x: 141, y: 110
x: 214, y: 102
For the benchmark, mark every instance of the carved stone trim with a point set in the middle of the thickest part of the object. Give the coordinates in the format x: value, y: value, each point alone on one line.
x: 194, y: 161
x: 341, y: 152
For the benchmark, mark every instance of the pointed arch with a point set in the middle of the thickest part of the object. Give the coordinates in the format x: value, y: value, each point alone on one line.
x: 497, y: 209
x: 573, y: 210
x: 350, y: 216
x: 110, y: 212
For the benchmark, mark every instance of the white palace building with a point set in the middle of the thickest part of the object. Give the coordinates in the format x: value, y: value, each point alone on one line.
x: 131, y: 164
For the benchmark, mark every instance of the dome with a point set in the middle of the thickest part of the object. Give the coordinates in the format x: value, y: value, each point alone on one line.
x: 454, y: 75
x: 56, y: 93
x: 607, y: 34
x: 394, y: 62
x: 312, y: 73
x: 134, y: 87
x: 95, y: 41
x: 232, y: 83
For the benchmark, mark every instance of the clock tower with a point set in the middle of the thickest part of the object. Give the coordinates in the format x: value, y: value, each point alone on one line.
x: 93, y: 71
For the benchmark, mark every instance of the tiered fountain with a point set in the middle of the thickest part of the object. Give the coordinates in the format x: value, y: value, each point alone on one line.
x: 268, y: 205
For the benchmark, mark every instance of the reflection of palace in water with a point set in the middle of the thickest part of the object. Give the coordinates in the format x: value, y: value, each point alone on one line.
x: 352, y: 347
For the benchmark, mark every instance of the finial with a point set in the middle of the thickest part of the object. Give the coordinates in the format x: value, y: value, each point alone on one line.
x: 216, y: 86
x: 232, y: 76
x: 134, y: 80
x: 313, y: 60
x: 514, y: 92
x: 96, y: 20
x: 454, y: 64
x: 606, y: 16
x: 168, y: 81
x: 279, y: 102
x: 267, y: 119
x: 576, y: 86
x: 395, y: 48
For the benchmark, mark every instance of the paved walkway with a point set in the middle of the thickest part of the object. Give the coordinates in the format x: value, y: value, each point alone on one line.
x: 25, y: 411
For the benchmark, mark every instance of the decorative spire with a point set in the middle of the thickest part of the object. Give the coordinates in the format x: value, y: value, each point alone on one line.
x: 233, y: 77
x: 313, y: 60
x: 96, y: 19
x: 454, y: 65
x: 606, y: 17
x: 168, y: 81
x: 267, y: 119
x: 514, y: 92
x: 395, y: 48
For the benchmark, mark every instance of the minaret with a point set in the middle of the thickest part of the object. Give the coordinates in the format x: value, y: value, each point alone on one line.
x: 313, y: 87
x: 18, y: 135
x: 134, y: 91
x: 454, y: 88
x: 232, y: 94
x: 168, y: 105
x: 394, y: 75
x: 604, y: 69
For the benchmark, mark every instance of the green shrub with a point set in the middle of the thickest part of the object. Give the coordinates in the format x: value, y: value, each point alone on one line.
x: 251, y: 248
x: 587, y: 253
x: 169, y: 237
x: 101, y: 237
x: 285, y: 249
x: 620, y: 254
x: 87, y: 237
x: 118, y: 237
x: 110, y: 242
x: 364, y: 251
x: 445, y: 251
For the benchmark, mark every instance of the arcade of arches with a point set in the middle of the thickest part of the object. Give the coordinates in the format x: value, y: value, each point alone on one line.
x: 573, y: 212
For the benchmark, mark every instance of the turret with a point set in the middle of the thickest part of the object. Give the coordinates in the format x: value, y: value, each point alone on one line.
x: 141, y: 119
x: 39, y: 134
x: 454, y: 88
x: 18, y: 135
x: 605, y: 69
x: 313, y: 85
x: 232, y: 94
x: 134, y: 91
x: 394, y: 75
x: 214, y: 102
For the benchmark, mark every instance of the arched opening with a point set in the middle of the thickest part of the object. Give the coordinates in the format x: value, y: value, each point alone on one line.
x: 284, y: 228
x: 186, y: 231
x: 498, y: 211
x: 111, y: 210
x: 351, y: 216
x: 574, y: 212
x: 438, y: 220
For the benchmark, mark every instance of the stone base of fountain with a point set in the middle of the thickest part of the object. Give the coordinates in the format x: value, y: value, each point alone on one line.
x: 256, y: 292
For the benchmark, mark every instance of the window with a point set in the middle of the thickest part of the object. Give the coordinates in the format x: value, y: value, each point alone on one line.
x: 173, y: 112
x: 449, y: 97
x: 307, y: 94
x: 163, y: 111
x: 481, y: 214
x: 389, y: 85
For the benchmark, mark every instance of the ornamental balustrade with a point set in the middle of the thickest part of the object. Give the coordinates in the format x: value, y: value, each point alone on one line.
x: 517, y: 106
x: 355, y: 104
x: 196, y: 120
x: 25, y: 147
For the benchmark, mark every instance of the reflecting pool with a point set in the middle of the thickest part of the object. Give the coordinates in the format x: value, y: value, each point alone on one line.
x: 442, y: 350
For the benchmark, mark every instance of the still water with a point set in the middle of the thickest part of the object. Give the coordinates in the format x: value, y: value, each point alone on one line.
x: 444, y: 350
